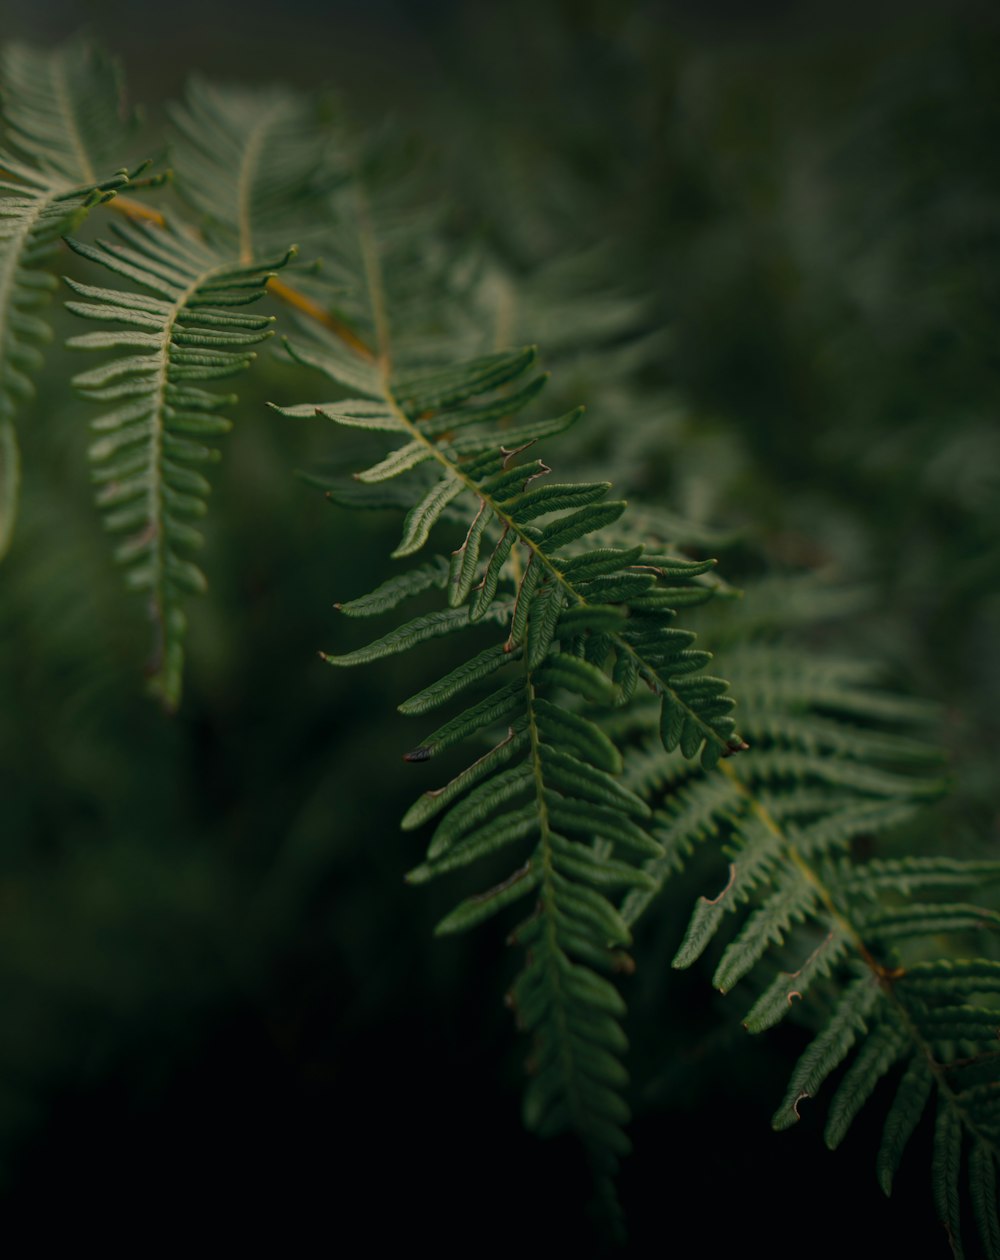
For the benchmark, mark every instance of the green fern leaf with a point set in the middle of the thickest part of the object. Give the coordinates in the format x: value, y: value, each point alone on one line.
x: 927, y: 920
x: 983, y: 1192
x: 943, y: 976
x: 419, y: 630
x: 151, y: 449
x: 816, y: 784
x: 829, y: 1049
x: 946, y: 1170
x: 793, y: 898
x: 785, y: 989
x: 394, y: 590
x: 548, y: 794
x: 880, y: 1051
x: 904, y: 1115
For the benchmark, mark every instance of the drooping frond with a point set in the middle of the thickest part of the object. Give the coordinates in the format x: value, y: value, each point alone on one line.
x: 65, y: 136
x: 187, y: 325
x: 463, y: 431
x: 579, y: 624
x: 805, y: 821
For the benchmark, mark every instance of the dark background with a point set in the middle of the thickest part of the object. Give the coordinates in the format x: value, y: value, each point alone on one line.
x: 220, y: 1001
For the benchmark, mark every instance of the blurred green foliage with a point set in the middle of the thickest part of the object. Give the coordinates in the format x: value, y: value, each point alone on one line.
x: 215, y: 985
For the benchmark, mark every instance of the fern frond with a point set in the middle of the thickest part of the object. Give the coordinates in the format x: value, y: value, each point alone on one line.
x: 824, y: 777
x: 584, y: 624
x: 187, y: 326
x: 574, y: 593
x: 64, y: 138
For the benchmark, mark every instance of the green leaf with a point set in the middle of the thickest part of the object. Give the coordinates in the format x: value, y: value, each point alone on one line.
x: 401, y: 460
x: 946, y: 1172
x: 419, y: 630
x: 790, y: 901
x: 433, y: 391
x: 431, y: 803
x: 485, y: 663
x: 503, y: 705
x: 904, y: 1115
x: 828, y: 1049
x: 479, y: 805
x: 65, y: 138
x: 575, y: 675
x: 597, y: 822
x: 577, y: 524
x: 577, y: 779
x: 555, y: 498
x: 422, y: 517
x: 983, y: 1192
x: 465, y: 560
x: 879, y: 1052
x: 390, y: 593
x: 704, y: 924
x: 504, y: 830
x: 785, y: 990
x: 491, y: 579
x: 563, y: 728
x: 476, y: 910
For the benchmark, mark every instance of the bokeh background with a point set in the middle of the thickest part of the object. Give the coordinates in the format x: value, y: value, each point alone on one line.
x: 218, y: 997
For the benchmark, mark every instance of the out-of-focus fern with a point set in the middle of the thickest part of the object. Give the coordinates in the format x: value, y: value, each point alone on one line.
x: 65, y: 136
x: 807, y: 822
x: 255, y: 166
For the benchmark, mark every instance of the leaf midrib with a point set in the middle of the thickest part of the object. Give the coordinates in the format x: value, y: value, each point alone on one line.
x: 547, y: 899
x: 157, y: 512
x: 248, y: 169
x: 64, y: 102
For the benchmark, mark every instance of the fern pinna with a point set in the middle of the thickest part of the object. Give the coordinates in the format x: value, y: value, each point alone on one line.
x: 807, y: 824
